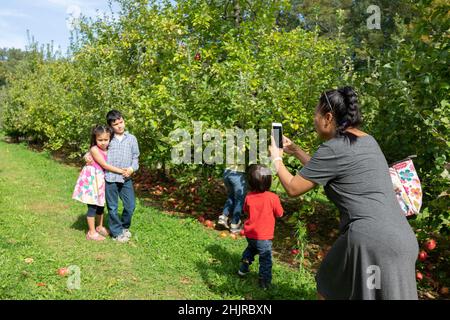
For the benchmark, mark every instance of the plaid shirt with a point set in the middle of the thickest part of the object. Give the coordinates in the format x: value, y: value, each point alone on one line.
x: 122, y: 154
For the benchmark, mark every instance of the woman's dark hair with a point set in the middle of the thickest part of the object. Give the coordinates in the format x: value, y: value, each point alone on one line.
x: 100, y: 129
x: 112, y: 116
x: 259, y: 178
x: 343, y: 104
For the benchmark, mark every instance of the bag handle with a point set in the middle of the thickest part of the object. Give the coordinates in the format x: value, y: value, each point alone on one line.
x: 407, y: 158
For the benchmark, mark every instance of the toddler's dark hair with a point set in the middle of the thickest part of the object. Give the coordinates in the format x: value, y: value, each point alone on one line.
x: 112, y: 116
x: 99, y: 129
x: 259, y: 178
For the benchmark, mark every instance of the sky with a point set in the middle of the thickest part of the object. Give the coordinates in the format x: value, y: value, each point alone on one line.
x: 47, y: 20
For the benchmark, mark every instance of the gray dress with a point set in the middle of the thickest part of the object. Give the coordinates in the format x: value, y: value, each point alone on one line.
x: 375, y: 254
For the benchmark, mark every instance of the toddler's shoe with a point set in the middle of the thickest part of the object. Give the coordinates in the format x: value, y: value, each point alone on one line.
x: 95, y: 237
x: 244, y: 268
x: 102, y: 231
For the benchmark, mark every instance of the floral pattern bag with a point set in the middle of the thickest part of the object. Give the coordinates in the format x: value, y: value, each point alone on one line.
x: 407, y: 186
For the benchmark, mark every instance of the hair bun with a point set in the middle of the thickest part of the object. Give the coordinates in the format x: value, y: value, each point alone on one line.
x: 347, y: 92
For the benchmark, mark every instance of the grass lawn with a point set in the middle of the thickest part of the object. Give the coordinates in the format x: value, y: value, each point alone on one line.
x: 168, y: 258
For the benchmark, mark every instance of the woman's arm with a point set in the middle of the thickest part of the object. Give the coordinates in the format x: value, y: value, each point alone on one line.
x: 291, y: 148
x: 294, y: 185
x: 101, y: 161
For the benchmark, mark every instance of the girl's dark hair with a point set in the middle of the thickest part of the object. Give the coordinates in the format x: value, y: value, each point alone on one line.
x: 343, y: 104
x: 99, y: 129
x: 112, y: 116
x: 259, y: 178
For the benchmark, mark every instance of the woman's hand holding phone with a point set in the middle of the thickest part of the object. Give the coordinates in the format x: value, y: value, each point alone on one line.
x: 288, y: 146
x: 275, y: 152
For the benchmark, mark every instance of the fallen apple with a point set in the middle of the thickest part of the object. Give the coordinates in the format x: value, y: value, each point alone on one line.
x: 201, y: 219
x: 209, y: 223
x: 419, y: 276
x: 29, y: 260
x: 423, y: 255
x: 63, y: 272
x: 294, y: 251
x: 223, y: 235
x: 242, y: 232
x: 430, y: 244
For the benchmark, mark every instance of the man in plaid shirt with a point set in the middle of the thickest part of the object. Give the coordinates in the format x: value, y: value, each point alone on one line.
x: 123, y: 152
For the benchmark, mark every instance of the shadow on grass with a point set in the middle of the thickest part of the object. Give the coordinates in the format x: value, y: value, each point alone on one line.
x: 81, y: 223
x: 226, y: 264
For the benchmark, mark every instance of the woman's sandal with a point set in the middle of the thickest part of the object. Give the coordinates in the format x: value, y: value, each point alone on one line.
x: 95, y: 237
x: 102, y: 231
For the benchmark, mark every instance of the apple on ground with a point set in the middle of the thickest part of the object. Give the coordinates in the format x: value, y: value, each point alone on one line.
x: 63, y: 272
x: 209, y: 223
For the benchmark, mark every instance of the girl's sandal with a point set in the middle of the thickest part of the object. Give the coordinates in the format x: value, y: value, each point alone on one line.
x: 102, y: 231
x: 95, y: 237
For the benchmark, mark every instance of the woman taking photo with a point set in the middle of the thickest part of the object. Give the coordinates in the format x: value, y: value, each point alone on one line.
x: 375, y: 254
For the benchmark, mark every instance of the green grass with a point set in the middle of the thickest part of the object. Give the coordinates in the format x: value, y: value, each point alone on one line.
x: 168, y: 258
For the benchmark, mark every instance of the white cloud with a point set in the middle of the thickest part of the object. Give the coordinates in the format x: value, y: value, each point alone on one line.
x: 12, y: 14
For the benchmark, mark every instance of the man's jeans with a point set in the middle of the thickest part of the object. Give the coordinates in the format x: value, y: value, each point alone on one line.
x: 237, y: 189
x: 264, y: 249
x: 125, y: 191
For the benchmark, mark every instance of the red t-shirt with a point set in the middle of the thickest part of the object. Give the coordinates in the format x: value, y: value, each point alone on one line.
x: 262, y: 208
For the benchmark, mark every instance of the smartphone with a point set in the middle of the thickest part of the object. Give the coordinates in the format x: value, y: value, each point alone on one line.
x: 277, y: 132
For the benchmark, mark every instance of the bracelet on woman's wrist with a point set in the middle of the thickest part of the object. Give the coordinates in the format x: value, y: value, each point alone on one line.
x: 277, y: 158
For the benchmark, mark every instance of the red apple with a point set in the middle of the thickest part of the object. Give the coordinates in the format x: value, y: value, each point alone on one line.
x: 423, y: 255
x: 430, y: 244
x: 201, y: 219
x: 63, y: 272
x: 419, y: 276
x: 242, y: 232
x: 197, y: 56
x: 294, y: 251
x: 209, y: 223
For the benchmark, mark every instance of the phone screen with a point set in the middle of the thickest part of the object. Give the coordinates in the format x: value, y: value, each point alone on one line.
x: 277, y: 132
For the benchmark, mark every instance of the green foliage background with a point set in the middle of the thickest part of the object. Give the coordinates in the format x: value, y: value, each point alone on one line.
x: 243, y: 63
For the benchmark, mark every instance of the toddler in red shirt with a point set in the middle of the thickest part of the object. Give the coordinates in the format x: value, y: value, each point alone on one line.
x: 262, y: 207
